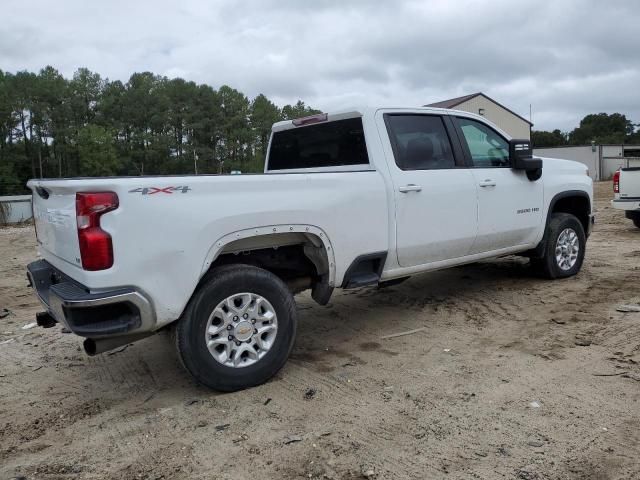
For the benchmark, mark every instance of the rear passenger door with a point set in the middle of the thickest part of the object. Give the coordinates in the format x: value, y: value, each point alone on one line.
x: 435, y: 194
x: 509, y: 204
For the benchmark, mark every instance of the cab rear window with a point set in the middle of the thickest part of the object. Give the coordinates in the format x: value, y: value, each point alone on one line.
x: 330, y: 144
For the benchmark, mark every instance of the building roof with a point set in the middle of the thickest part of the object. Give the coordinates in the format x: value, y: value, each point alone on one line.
x: 454, y: 102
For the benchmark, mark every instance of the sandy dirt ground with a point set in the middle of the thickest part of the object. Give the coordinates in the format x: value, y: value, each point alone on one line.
x: 512, y: 376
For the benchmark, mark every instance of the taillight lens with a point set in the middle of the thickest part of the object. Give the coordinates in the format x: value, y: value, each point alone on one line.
x: 616, y: 182
x: 96, y: 249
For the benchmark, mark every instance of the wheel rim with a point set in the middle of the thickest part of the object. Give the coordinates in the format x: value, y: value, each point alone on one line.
x: 241, y: 330
x: 567, y: 249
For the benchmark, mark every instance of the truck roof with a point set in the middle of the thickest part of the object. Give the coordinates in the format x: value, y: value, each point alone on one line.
x: 360, y: 111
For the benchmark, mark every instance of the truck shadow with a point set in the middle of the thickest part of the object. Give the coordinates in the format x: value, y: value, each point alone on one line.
x: 151, y: 366
x: 472, y: 293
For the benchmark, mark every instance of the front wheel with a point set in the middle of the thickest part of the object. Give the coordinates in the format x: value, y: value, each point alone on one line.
x: 565, y: 244
x: 238, y: 329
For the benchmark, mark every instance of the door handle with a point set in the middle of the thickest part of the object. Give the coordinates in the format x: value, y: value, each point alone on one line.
x: 488, y: 183
x: 410, y: 188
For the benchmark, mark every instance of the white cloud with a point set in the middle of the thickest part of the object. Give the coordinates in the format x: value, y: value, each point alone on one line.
x: 566, y: 58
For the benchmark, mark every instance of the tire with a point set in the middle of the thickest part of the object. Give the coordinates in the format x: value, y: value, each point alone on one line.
x: 636, y: 220
x: 238, y: 288
x: 549, y: 266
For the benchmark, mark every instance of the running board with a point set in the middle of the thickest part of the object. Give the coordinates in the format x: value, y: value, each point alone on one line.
x: 365, y: 270
x: 363, y: 280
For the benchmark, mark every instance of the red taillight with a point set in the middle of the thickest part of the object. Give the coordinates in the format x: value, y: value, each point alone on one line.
x: 96, y: 250
x: 616, y: 182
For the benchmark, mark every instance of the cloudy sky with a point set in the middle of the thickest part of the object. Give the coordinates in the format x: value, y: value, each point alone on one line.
x: 566, y: 58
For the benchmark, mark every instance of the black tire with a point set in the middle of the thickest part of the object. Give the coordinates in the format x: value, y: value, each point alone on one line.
x: 218, y: 285
x: 636, y: 221
x: 548, y: 266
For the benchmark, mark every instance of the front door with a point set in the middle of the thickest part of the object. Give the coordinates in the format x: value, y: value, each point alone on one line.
x: 435, y: 194
x: 509, y: 204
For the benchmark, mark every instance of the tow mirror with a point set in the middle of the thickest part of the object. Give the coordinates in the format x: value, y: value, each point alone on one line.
x: 521, y: 158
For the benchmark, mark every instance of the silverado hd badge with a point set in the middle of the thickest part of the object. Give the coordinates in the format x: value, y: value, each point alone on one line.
x: 527, y: 210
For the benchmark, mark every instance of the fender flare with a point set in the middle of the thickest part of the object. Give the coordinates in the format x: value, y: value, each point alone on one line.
x: 560, y: 196
x: 538, y: 251
x: 220, y: 243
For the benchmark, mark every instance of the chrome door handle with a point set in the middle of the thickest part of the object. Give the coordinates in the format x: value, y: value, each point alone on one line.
x: 410, y: 188
x: 488, y: 183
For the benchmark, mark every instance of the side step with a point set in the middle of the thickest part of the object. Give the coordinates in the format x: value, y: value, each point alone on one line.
x: 363, y: 280
x: 365, y: 270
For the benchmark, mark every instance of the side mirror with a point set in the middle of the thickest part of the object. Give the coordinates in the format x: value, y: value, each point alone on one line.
x: 521, y: 158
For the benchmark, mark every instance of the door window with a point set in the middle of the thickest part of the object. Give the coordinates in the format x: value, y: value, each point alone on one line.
x: 486, y: 146
x: 420, y: 142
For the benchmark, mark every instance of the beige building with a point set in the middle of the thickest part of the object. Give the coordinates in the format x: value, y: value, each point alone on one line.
x: 480, y: 104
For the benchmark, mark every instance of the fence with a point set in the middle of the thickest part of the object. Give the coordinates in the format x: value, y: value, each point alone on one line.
x: 15, y: 209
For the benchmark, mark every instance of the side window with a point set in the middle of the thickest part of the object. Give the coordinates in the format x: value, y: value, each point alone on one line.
x: 420, y: 142
x: 487, y: 148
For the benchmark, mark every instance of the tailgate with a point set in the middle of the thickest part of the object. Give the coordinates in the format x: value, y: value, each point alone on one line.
x: 54, y: 213
x: 630, y: 182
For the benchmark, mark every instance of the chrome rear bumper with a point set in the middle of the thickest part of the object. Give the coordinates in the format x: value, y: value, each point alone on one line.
x: 87, y: 313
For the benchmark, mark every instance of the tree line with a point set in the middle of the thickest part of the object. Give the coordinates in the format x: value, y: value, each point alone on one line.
x: 600, y: 128
x: 51, y: 126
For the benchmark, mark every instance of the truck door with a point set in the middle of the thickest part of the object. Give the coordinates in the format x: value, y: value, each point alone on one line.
x: 509, y: 204
x: 435, y: 194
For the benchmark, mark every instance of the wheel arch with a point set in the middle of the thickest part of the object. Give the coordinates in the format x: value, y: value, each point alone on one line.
x: 575, y: 202
x: 312, y: 241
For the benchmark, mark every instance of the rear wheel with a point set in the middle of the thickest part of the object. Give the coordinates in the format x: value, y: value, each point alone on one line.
x: 238, y: 328
x: 636, y: 221
x: 564, y: 248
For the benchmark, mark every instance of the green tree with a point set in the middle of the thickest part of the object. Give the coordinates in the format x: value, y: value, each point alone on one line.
x: 206, y: 125
x: 146, y: 112
x: 86, y: 89
x: 602, y: 128
x: 235, y: 128
x: 97, y: 152
x: 51, y: 119
x: 542, y: 139
x: 87, y: 125
x: 263, y: 115
x: 290, y: 112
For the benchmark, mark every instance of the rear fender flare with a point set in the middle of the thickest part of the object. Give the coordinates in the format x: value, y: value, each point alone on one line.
x: 316, y: 235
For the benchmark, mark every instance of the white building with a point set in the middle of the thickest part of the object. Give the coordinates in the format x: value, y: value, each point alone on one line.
x: 478, y: 103
x: 602, y: 160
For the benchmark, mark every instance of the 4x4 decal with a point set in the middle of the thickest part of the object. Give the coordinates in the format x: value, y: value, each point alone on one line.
x: 154, y: 190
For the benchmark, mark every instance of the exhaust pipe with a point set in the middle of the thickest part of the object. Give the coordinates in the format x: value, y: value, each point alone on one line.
x: 95, y: 346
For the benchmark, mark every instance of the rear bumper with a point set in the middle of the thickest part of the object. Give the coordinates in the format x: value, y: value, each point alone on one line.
x: 626, y: 204
x: 106, y: 313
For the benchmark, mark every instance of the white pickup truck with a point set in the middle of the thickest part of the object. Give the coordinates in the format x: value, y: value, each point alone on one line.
x: 354, y: 198
x: 626, y: 193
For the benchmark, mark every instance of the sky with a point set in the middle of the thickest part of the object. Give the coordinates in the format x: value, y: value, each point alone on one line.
x: 565, y: 58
